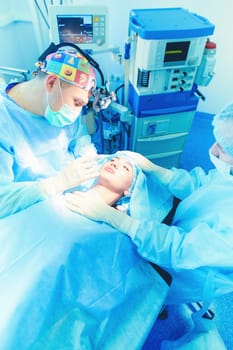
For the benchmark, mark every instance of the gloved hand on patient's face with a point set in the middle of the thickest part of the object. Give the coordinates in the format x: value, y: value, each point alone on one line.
x: 164, y: 175
x: 91, y: 205
x: 74, y: 174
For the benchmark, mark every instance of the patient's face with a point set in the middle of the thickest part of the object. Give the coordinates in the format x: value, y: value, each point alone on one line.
x: 117, y: 174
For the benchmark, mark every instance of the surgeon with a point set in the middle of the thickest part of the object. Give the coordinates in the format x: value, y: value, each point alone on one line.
x: 197, y: 248
x: 40, y: 127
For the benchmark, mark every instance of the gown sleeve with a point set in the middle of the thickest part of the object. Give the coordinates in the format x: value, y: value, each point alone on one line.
x: 201, y: 233
x: 183, y: 182
x: 30, y: 150
x: 175, y: 248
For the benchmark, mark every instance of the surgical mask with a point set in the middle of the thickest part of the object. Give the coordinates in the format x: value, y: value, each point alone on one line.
x: 223, y: 168
x: 65, y: 116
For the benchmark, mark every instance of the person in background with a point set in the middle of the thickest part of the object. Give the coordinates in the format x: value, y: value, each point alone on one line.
x: 40, y: 127
x: 67, y: 35
x: 197, y: 247
x: 74, y: 31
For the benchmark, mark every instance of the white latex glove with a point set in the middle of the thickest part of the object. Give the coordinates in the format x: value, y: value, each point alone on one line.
x: 91, y: 205
x: 74, y: 174
x: 164, y: 175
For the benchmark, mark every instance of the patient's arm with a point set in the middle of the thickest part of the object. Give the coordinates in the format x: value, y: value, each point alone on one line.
x: 91, y: 205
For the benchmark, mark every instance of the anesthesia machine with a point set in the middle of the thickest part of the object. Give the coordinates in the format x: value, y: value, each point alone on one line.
x: 168, y: 54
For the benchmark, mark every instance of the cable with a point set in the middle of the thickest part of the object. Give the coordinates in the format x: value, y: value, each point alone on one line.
x: 45, y: 6
x: 117, y: 89
x: 42, y: 15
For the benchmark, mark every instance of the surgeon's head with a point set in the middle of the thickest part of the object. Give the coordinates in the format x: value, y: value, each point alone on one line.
x: 221, y: 153
x: 69, y: 82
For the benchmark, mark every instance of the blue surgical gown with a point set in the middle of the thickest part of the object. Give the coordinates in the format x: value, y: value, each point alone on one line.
x: 66, y: 282
x: 30, y: 149
x: 197, y: 249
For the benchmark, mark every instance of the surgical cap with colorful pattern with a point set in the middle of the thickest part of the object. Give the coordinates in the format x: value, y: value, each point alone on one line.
x: 72, y: 67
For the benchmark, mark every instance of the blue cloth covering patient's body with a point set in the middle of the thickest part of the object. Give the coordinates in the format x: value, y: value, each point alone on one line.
x: 68, y: 282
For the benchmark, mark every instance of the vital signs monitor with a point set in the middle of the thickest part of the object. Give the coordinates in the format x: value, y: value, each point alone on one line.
x: 85, y: 26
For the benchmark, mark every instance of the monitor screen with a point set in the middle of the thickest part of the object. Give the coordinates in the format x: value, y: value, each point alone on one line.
x: 75, y: 29
x: 176, y: 51
x: 83, y: 26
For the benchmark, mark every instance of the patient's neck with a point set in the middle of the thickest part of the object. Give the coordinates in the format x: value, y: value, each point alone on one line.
x: 110, y: 197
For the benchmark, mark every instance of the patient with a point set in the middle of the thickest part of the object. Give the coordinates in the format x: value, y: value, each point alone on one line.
x: 122, y: 184
x: 114, y: 184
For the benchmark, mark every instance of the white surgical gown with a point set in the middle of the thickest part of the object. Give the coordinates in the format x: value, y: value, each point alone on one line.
x: 198, y: 247
x: 30, y: 149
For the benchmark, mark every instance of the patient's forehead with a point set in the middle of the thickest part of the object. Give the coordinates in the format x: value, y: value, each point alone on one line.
x: 122, y: 160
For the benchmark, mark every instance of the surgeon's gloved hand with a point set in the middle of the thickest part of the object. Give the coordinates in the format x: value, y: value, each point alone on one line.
x: 163, y: 175
x: 74, y: 174
x: 91, y: 205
